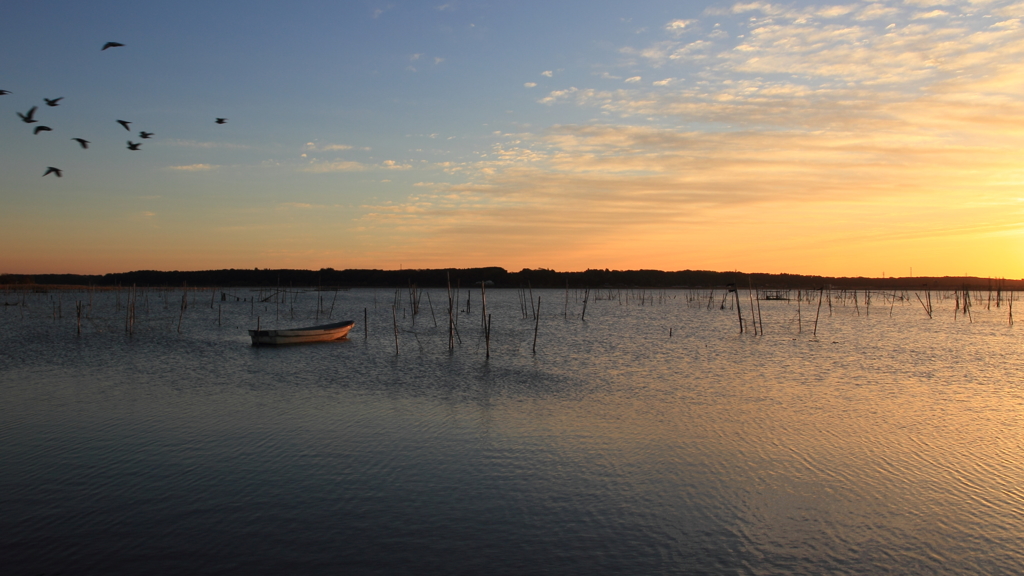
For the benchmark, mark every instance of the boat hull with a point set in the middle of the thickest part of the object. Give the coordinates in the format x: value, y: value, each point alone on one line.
x: 322, y: 333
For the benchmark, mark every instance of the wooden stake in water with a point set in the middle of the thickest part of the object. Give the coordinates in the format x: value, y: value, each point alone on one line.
x: 1011, y: 309
x: 760, y: 322
x: 736, y: 297
x: 394, y: 318
x: 451, y: 318
x: 431, y: 304
x: 483, y: 304
x: 536, y: 325
x: 750, y: 295
x: 181, y: 314
x: 821, y: 292
x: 923, y: 305
x: 487, y: 336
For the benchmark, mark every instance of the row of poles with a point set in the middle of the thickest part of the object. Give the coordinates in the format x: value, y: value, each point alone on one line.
x: 529, y: 306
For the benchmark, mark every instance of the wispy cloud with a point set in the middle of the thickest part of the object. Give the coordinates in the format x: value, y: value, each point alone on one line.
x: 677, y: 27
x: 336, y: 166
x: 318, y: 166
x: 195, y: 167
x: 313, y: 146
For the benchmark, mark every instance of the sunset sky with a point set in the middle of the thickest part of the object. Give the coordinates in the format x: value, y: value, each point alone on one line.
x: 855, y: 138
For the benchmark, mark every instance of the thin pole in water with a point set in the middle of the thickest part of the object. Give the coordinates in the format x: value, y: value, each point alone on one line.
x: 394, y: 317
x: 487, y: 336
x: 536, y: 325
x: 431, y: 304
x: 821, y: 293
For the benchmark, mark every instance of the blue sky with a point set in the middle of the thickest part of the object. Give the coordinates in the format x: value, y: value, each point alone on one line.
x: 835, y: 138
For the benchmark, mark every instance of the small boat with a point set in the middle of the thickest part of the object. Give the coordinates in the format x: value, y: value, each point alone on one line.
x: 321, y: 333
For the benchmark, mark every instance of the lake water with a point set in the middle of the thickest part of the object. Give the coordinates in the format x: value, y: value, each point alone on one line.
x: 888, y: 443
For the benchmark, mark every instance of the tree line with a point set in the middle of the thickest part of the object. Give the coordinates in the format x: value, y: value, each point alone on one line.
x: 500, y: 278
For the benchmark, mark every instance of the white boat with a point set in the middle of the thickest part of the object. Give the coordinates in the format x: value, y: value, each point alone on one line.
x: 321, y: 333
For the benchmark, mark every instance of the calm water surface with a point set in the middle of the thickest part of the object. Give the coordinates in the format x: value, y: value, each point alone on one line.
x: 888, y: 443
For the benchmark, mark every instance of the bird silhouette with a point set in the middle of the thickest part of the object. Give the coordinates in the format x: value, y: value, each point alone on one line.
x: 4, y: 92
x: 145, y: 134
x: 221, y: 120
x: 41, y: 129
x: 110, y: 45
x: 52, y: 170
x: 82, y: 141
x: 28, y: 118
x: 125, y: 123
x: 133, y: 145
x: 53, y: 102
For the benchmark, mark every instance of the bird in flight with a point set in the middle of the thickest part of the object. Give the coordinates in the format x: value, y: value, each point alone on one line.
x: 53, y: 102
x: 4, y: 92
x: 145, y: 134
x: 41, y: 129
x: 221, y: 120
x: 28, y: 118
x: 82, y: 141
x: 125, y: 123
x: 111, y: 45
x: 52, y: 170
x: 133, y: 145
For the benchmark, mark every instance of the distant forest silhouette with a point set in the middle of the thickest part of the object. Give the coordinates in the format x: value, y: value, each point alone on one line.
x: 330, y: 278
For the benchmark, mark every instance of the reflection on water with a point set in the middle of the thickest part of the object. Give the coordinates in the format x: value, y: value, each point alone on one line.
x: 888, y: 443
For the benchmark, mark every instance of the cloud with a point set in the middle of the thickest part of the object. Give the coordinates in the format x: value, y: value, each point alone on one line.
x: 632, y: 80
x: 556, y: 95
x: 547, y: 73
x: 336, y: 166
x: 195, y: 167
x: 327, y: 147
x: 677, y: 27
x: 530, y: 84
x: 932, y: 14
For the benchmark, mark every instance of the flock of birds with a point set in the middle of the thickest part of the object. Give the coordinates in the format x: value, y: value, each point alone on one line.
x: 29, y: 118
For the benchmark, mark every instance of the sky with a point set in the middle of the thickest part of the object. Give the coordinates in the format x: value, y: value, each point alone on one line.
x: 842, y: 139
